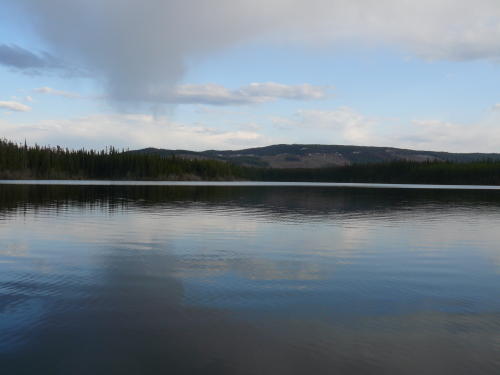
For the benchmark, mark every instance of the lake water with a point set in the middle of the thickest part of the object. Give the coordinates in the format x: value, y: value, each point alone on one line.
x: 248, y: 280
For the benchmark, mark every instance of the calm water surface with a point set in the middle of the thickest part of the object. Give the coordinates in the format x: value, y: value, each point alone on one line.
x: 248, y: 280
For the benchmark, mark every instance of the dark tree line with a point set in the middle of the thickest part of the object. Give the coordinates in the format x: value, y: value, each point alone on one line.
x: 22, y: 161
x: 485, y: 172
x: 19, y: 161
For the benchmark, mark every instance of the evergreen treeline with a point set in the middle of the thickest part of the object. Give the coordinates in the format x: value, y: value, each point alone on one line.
x: 24, y: 162
x: 485, y: 172
x: 35, y: 162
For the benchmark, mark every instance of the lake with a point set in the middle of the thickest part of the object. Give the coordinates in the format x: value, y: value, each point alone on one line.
x: 100, y: 278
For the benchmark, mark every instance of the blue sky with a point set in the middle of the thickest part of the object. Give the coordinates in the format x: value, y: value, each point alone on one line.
x: 172, y: 74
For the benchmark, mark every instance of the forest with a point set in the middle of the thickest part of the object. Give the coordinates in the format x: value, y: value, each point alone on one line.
x: 37, y: 162
x: 20, y: 161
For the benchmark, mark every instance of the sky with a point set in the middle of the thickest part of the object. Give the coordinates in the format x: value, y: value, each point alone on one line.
x: 233, y: 74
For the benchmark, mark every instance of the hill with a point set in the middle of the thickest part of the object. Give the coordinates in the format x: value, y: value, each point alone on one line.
x: 19, y: 161
x: 319, y: 156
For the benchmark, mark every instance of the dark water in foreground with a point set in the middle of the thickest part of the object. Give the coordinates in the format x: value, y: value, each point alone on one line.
x: 248, y: 280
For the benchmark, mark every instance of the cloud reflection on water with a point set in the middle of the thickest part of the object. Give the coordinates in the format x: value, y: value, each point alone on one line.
x: 248, y: 280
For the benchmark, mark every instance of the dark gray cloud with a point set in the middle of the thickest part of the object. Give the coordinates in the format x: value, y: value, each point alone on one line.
x: 17, y: 57
x: 135, y: 48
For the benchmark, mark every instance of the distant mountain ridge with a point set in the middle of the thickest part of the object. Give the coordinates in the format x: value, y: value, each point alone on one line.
x: 318, y: 156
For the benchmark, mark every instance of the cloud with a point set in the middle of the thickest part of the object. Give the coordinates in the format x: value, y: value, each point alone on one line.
x: 496, y: 107
x: 254, y: 93
x: 338, y: 126
x: 17, y: 57
x: 15, y: 106
x: 51, y: 91
x: 214, y: 94
x: 439, y: 135
x: 138, y: 48
x: 277, y: 90
x: 129, y: 131
x: 347, y: 126
x: 342, y: 125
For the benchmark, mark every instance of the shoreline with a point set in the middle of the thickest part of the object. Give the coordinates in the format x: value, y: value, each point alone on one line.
x: 246, y: 184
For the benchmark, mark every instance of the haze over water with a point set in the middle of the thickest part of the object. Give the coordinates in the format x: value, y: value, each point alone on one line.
x: 248, y: 280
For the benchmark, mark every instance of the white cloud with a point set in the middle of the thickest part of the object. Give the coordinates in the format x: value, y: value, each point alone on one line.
x: 354, y: 126
x: 141, y: 47
x: 341, y: 126
x: 278, y: 90
x: 130, y: 131
x: 15, y: 106
x: 496, y: 107
x: 51, y: 91
x: 254, y: 93
x: 483, y: 136
x: 347, y: 126
x: 214, y: 94
x: 337, y: 126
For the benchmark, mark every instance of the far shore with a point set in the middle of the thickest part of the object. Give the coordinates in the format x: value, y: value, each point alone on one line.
x: 83, y: 182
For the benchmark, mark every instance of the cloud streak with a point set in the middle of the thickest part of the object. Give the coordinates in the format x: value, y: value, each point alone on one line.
x: 254, y: 93
x: 218, y: 95
x: 15, y: 106
x: 50, y: 91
